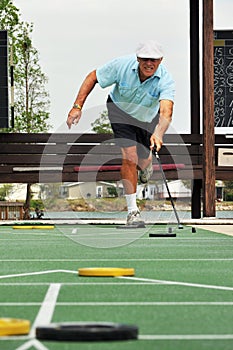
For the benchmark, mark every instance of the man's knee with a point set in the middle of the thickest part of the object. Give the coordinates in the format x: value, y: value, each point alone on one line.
x: 129, y: 155
x: 128, y: 163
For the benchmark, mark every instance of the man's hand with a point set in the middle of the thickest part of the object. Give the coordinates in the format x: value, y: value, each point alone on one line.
x: 155, y: 142
x: 73, y: 117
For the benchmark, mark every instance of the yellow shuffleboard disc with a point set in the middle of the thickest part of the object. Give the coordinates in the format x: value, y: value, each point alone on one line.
x: 30, y: 227
x: 14, y: 326
x: 22, y: 227
x: 105, y: 271
x: 45, y: 227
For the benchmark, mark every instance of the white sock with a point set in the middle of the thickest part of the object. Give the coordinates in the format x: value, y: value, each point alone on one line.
x: 131, y: 202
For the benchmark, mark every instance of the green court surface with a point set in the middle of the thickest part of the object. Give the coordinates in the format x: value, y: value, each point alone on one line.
x: 181, y: 296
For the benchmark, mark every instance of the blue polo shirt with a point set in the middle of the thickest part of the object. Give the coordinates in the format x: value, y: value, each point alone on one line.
x: 138, y: 99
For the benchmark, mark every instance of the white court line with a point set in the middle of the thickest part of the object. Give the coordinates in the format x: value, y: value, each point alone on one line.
x: 126, y: 303
x: 177, y: 283
x: 127, y: 259
x: 115, y: 236
x: 77, y: 283
x: 186, y: 284
x: 33, y: 343
x: 36, y: 273
x: 185, y: 336
x: 43, y: 317
x: 45, y: 313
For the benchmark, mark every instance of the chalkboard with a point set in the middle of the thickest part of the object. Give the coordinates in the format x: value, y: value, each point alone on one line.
x: 4, y: 108
x: 223, y: 78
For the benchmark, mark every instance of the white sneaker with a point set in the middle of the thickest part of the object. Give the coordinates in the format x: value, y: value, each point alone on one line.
x: 134, y: 218
x: 145, y: 175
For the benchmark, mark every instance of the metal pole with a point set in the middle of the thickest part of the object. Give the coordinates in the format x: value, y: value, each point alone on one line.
x: 168, y: 191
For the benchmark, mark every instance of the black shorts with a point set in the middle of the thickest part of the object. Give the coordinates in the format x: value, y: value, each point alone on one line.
x: 129, y: 131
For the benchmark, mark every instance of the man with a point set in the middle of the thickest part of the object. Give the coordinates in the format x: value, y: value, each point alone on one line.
x: 140, y: 108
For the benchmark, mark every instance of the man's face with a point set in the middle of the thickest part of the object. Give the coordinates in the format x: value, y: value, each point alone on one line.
x: 147, y: 67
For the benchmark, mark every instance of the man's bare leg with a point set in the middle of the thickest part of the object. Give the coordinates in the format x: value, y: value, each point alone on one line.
x: 129, y: 169
x: 129, y: 175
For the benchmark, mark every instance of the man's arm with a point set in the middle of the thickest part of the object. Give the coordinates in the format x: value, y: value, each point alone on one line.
x: 165, y: 118
x: 85, y: 89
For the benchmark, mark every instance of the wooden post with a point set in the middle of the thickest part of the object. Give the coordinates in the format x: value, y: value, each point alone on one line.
x: 208, y: 112
x: 195, y: 95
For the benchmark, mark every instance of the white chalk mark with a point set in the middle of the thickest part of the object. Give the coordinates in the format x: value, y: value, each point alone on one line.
x: 177, y: 283
x: 36, y: 273
x: 32, y: 343
x: 45, y: 313
x: 185, y: 336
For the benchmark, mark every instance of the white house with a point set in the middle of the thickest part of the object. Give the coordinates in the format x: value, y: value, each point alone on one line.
x: 148, y: 191
x: 159, y: 190
x: 176, y: 188
x: 98, y: 189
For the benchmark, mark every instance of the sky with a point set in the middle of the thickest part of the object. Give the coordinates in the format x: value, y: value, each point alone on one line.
x: 74, y: 37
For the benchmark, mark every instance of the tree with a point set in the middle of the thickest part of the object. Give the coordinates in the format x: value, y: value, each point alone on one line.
x: 9, y: 16
x: 31, y: 98
x: 112, y: 191
x: 228, y: 190
x: 4, y: 191
x: 102, y: 124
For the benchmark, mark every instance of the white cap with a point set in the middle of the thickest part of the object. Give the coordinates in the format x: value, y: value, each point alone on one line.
x: 149, y: 49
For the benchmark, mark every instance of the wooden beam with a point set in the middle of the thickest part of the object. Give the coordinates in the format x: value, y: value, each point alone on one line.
x: 208, y: 112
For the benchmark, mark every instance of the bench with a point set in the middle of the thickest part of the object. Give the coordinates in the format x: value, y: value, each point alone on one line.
x: 47, y: 158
